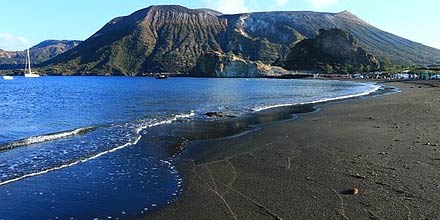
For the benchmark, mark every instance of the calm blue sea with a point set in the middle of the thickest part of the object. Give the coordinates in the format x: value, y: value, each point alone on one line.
x: 83, y: 148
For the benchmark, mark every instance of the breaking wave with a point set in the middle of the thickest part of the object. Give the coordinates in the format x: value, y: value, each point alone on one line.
x: 45, y: 138
x: 130, y: 135
x: 373, y: 89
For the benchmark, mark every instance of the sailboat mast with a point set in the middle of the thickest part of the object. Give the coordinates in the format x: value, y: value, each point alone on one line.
x: 25, y: 65
x: 29, y: 61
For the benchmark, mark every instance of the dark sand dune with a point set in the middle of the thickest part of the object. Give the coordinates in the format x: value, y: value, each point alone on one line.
x: 386, y: 147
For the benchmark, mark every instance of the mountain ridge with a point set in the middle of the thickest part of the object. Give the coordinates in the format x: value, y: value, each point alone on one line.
x: 39, y: 53
x: 172, y: 38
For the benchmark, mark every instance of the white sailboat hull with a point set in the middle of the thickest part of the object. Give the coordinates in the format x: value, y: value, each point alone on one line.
x: 31, y: 75
x: 8, y: 77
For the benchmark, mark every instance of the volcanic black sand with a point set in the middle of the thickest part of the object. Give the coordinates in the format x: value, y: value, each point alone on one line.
x: 367, y: 158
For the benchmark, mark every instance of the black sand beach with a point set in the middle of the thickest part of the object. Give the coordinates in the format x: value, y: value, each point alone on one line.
x: 372, y: 158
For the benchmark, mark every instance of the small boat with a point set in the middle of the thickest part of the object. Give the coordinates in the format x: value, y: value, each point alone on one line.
x: 8, y: 77
x: 28, y: 67
x: 161, y: 76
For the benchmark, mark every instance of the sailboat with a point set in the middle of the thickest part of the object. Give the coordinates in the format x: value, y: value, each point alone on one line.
x: 8, y: 77
x: 28, y: 67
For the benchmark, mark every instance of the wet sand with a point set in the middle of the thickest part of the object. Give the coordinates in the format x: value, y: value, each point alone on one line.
x: 387, y: 147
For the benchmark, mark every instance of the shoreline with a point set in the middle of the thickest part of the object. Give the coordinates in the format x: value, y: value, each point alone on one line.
x: 218, y: 178
x: 160, y: 140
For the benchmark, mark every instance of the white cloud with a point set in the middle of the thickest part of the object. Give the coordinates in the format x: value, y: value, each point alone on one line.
x: 281, y: 2
x: 322, y: 3
x: 435, y: 44
x: 228, y: 6
x: 11, y: 43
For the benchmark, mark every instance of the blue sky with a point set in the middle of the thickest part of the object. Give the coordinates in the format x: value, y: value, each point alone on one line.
x: 24, y: 23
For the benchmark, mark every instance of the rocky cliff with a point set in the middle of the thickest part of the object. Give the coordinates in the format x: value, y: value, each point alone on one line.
x: 217, y: 64
x: 173, y: 38
x: 332, y: 50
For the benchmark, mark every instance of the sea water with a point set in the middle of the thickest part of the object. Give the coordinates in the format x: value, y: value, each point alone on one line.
x: 97, y: 147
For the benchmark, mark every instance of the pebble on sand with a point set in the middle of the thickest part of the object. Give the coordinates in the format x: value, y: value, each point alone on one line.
x: 355, y: 191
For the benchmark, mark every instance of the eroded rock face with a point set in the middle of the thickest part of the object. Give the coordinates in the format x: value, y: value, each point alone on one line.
x: 332, y: 50
x: 217, y: 64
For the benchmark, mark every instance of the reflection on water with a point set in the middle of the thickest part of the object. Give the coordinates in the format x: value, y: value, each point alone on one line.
x: 115, y: 139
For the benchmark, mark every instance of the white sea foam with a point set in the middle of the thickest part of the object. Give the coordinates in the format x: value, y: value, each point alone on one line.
x: 133, y: 141
x: 45, y: 138
x: 374, y: 88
